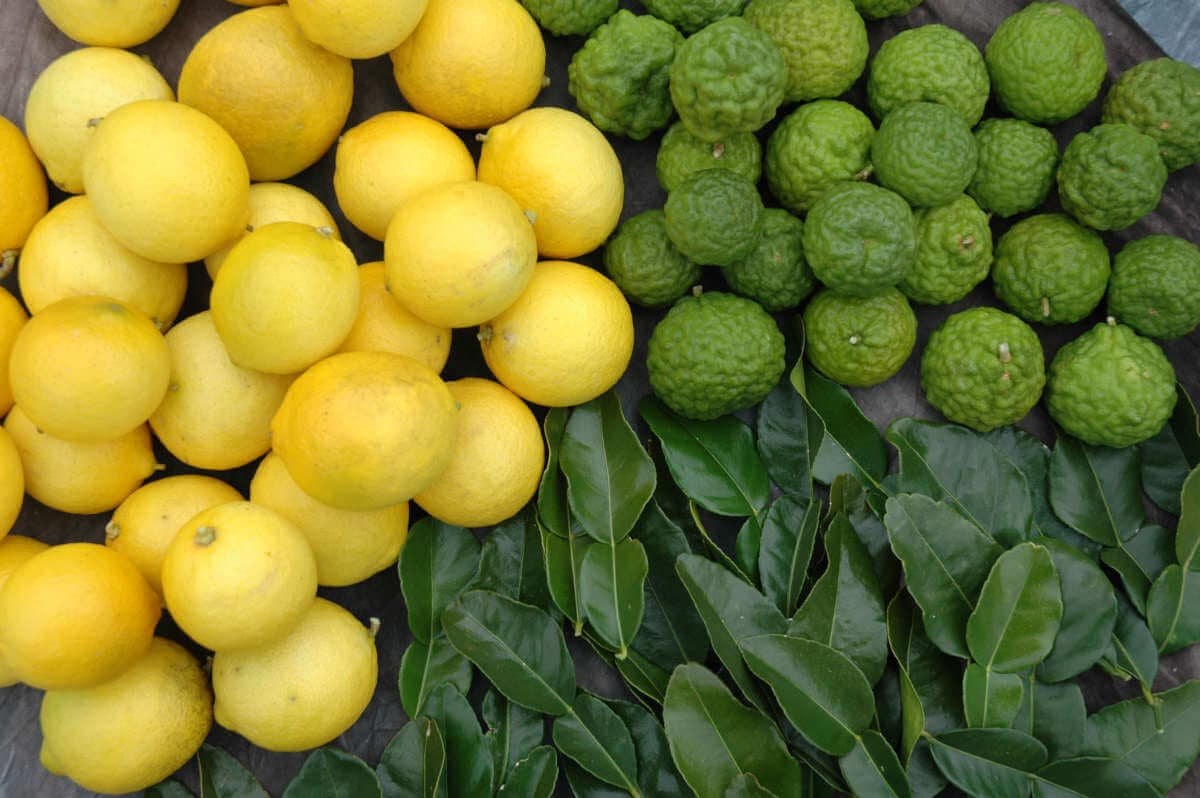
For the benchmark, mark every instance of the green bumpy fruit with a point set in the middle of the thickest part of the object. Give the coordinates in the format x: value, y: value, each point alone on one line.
x: 775, y: 274
x: 1111, y: 176
x: 1155, y: 286
x: 728, y: 78
x: 932, y: 63
x: 860, y: 239
x: 713, y: 354
x: 620, y: 77
x: 570, y: 17
x: 983, y: 368
x: 824, y: 43
x: 681, y: 154
x: 692, y: 15
x: 1161, y: 98
x: 1047, y: 62
x: 926, y: 153
x: 713, y: 217
x: 859, y: 342
x: 816, y: 147
x: 1016, y: 168
x: 644, y: 263
x: 954, y: 253
x: 882, y: 9
x: 1111, y: 387
x: 1050, y: 269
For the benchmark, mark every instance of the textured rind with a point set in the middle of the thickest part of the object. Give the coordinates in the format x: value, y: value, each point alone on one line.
x: 775, y: 273
x: 860, y: 239
x: 964, y: 374
x: 728, y: 78
x: 925, y: 152
x: 881, y: 9
x: 644, y: 264
x: 824, y: 43
x: 620, y: 77
x: 1161, y: 98
x: 1111, y: 176
x: 1155, y: 286
x: 714, y: 354
x: 692, y: 15
x: 815, y: 147
x: 859, y: 342
x: 570, y: 17
x: 1017, y: 161
x: 932, y: 63
x: 1111, y: 387
x: 1046, y: 62
x: 713, y: 217
x: 681, y: 154
x: 954, y: 253
x: 1050, y: 269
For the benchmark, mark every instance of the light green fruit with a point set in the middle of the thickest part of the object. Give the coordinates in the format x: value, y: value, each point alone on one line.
x: 925, y: 152
x: 1017, y: 163
x: 570, y: 17
x: 931, y: 63
x: 1161, y: 98
x: 644, y: 263
x: 858, y: 341
x: 681, y: 154
x: 692, y: 15
x: 1111, y: 176
x: 1050, y: 269
x: 954, y: 253
x: 824, y: 43
x: 713, y: 217
x: 775, y: 274
x: 860, y: 239
x: 815, y: 147
x: 1155, y: 286
x: 881, y: 9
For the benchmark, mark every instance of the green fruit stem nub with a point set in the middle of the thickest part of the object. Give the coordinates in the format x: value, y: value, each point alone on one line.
x: 205, y: 535
x: 373, y: 626
x: 8, y: 259
x: 111, y: 531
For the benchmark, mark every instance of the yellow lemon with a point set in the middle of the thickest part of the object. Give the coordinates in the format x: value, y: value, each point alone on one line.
x: 238, y: 575
x: 215, y: 415
x: 391, y: 158
x: 110, y: 23
x: 89, y: 368
x: 471, y: 63
x: 25, y: 196
x: 558, y: 166
x: 358, y: 28
x: 304, y: 690
x: 286, y: 297
x: 12, y: 483
x: 73, y: 94
x: 349, y: 545
x: 277, y: 202
x: 14, y: 551
x: 133, y: 731
x: 365, y: 430
x: 566, y: 340
x: 497, y: 462
x: 167, y: 181
x: 12, y: 319
x: 81, y: 478
x: 144, y: 525
x: 75, y: 615
x: 282, y: 98
x: 459, y: 254
x: 69, y: 253
x: 384, y: 325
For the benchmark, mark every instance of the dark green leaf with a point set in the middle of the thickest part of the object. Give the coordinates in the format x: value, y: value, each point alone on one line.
x: 423, y: 667
x: 596, y: 738
x: 747, y: 786
x: 564, y: 557
x: 789, y: 535
x: 222, y: 776
x: 657, y: 775
x: 167, y: 789
x: 991, y: 700
x: 1019, y: 611
x: 850, y: 444
x: 1132, y: 652
x: 519, y: 648
x: 786, y: 442
x: 1056, y: 715
x: 585, y: 785
x: 889, y: 707
x: 511, y: 563
x: 930, y: 681
x: 437, y: 563
x: 612, y: 591
x: 331, y: 773
x: 872, y: 769
x: 1089, y: 614
x: 414, y: 763
x: 671, y: 632
x: 552, y: 507
x: 512, y: 731
x: 1171, y: 454
x: 989, y: 763
x: 534, y: 776
x: 1173, y: 609
x: 1187, y: 540
x: 1091, y: 777
x: 1140, y: 561
x: 1129, y: 732
x: 643, y: 676
x: 714, y: 738
x: 1095, y: 490
x: 468, y: 760
x: 848, y: 497
x: 609, y: 475
x: 715, y: 552
x: 747, y: 545
x: 924, y: 776
x: 814, y: 759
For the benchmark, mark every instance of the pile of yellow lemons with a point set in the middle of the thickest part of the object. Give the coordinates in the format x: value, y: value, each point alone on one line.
x: 326, y: 370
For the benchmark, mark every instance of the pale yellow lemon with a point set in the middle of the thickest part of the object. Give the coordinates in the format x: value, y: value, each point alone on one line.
x: 560, y: 167
x: 215, y: 415
x: 282, y: 98
x: 358, y: 28
x: 12, y: 483
x: 303, y: 690
x: 144, y: 525
x: 565, y: 341
x: 110, y: 23
x: 133, y: 731
x: 458, y: 254
x: 25, y: 197
x: 365, y: 430
x: 89, y: 368
x: 167, y: 181
x: 14, y: 551
x: 12, y: 319
x: 384, y: 325
x: 72, y: 95
x: 471, y: 63
x: 75, y: 615
x: 391, y: 158
x: 497, y: 462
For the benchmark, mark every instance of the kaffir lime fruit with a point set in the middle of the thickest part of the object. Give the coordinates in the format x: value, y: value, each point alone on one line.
x: 925, y: 152
x: 1016, y: 168
x: 983, y: 368
x: 954, y: 253
x: 1111, y: 176
x: 824, y: 43
x: 692, y: 15
x: 932, y: 63
x: 1155, y: 286
x: 1111, y: 387
x: 570, y: 17
x: 681, y: 154
x: 714, y: 353
x: 1046, y: 62
x: 860, y: 239
x: 859, y: 341
x: 1050, y: 269
x: 880, y: 9
x: 817, y: 146
x: 775, y: 274
x: 713, y: 217
x: 644, y: 263
x: 1161, y: 98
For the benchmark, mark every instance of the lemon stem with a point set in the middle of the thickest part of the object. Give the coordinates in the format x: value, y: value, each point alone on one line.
x: 205, y: 535
x: 111, y: 531
x: 8, y: 259
x: 373, y: 628
x: 485, y: 334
